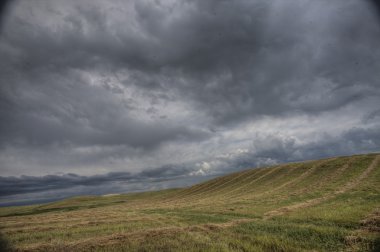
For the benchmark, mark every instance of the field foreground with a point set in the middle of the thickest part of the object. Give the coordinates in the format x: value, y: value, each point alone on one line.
x: 325, y: 205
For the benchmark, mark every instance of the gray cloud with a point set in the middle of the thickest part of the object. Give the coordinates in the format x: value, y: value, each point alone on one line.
x: 271, y: 150
x: 31, y: 184
x: 376, y: 5
x: 192, y: 87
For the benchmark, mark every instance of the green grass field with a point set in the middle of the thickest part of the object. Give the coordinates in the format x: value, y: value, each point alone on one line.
x: 325, y: 205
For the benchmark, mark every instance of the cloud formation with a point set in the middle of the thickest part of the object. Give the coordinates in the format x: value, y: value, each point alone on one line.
x: 182, y: 88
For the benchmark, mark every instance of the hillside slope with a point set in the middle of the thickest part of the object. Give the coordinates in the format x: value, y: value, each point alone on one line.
x: 324, y: 205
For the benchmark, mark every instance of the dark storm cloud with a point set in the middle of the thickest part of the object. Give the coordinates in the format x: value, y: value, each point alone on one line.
x: 3, y: 8
x: 29, y: 184
x: 269, y: 59
x: 230, y: 58
x: 32, y: 184
x: 92, y: 87
x: 56, y: 109
x: 376, y: 4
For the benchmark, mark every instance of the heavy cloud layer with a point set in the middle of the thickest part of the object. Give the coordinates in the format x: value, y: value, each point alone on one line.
x: 194, y: 88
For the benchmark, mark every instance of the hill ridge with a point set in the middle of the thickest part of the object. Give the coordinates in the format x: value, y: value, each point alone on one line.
x: 346, y: 187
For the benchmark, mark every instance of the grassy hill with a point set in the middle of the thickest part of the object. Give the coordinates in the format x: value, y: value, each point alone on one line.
x: 325, y: 205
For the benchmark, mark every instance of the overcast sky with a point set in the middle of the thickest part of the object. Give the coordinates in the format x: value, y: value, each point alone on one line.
x: 142, y: 95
